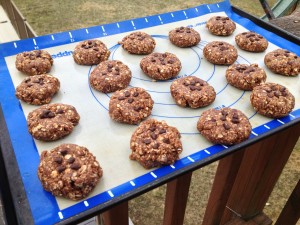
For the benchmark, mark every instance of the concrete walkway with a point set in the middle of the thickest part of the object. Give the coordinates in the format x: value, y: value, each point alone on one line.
x: 8, y: 32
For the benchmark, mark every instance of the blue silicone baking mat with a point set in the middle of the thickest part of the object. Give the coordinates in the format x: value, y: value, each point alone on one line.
x: 108, y: 140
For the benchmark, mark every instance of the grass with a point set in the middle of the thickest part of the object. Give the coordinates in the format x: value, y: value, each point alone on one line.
x: 53, y: 16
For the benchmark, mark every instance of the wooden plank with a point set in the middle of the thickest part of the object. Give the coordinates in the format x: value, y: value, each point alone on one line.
x: 223, y: 182
x: 291, y: 211
x: 260, y: 168
x: 117, y: 215
x: 176, y: 199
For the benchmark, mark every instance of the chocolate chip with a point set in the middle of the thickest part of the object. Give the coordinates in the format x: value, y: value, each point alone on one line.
x: 153, y: 60
x: 235, y: 120
x: 64, y: 151
x: 109, y: 70
x: 27, y: 80
x: 186, y: 83
x: 152, y: 128
x: 277, y: 93
x: 89, y: 42
x: 137, y: 108
x: 75, y: 166
x: 71, y: 160
x: 235, y: 115
x: 117, y: 68
x: 86, y: 47
x: 170, y: 61
x: 61, y: 168
x: 192, y: 88
x: 58, y: 160
x: 104, y: 73
x: 213, y: 120
x: 96, y: 49
x: 153, y: 136
x: 130, y: 100
x: 223, y: 48
x: 47, y: 114
x: 164, y: 55
x: 135, y: 94
x: 155, y: 145
x: 121, y: 98
x: 162, y: 131
x: 223, y: 118
x: 224, y: 113
x: 127, y: 94
x: 270, y: 94
x: 59, y: 111
x: 193, y: 82
x: 110, y: 66
x: 166, y: 140
x: 147, y: 141
x: 226, y: 126
x: 29, y: 85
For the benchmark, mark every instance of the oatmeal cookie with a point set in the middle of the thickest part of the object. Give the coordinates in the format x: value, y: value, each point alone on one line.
x: 161, y: 66
x: 184, y: 37
x: 131, y: 105
x: 225, y: 126
x: 192, y: 92
x: 284, y: 62
x: 155, y: 143
x: 272, y: 100
x: 69, y: 171
x: 139, y: 43
x: 251, y: 42
x: 220, y: 25
x: 34, y: 62
x: 52, y: 121
x: 38, y: 89
x: 110, y: 76
x: 90, y: 52
x: 245, y: 77
x: 220, y: 53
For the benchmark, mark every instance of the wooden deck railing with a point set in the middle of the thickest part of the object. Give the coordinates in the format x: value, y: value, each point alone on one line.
x: 19, y: 22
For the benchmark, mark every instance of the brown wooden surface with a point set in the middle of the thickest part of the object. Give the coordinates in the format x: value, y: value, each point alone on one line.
x: 260, y: 168
x: 291, y: 211
x: 223, y: 182
x: 117, y: 215
x: 260, y: 219
x: 176, y: 199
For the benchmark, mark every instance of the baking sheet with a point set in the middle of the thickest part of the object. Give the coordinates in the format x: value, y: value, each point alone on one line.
x: 109, y: 140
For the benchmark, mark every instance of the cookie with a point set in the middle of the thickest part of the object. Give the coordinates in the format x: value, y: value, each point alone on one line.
x: 251, y: 42
x: 184, y: 37
x: 69, y: 171
x: 38, y: 89
x: 90, y: 52
x: 34, y: 62
x: 139, y: 43
x: 161, y: 66
x: 220, y: 53
x: 131, y: 105
x: 192, y: 92
x: 220, y: 25
x: 224, y: 126
x: 155, y: 143
x: 110, y: 76
x: 284, y: 62
x: 52, y: 121
x: 245, y: 77
x: 272, y: 100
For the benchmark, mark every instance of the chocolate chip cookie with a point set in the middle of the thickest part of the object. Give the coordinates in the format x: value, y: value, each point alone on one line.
x: 224, y: 126
x: 272, y: 100
x: 161, y: 66
x: 284, y: 62
x: 34, y: 62
x: 184, y: 37
x: 220, y: 25
x: 90, y: 52
x: 245, y: 77
x: 131, y: 105
x: 155, y: 143
x: 251, y: 41
x: 69, y: 171
x: 139, y: 43
x: 192, y: 92
x: 38, y: 89
x: 52, y: 121
x: 220, y: 53
x: 110, y: 76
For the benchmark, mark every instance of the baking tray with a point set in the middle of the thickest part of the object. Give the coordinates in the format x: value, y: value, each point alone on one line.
x: 124, y: 179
